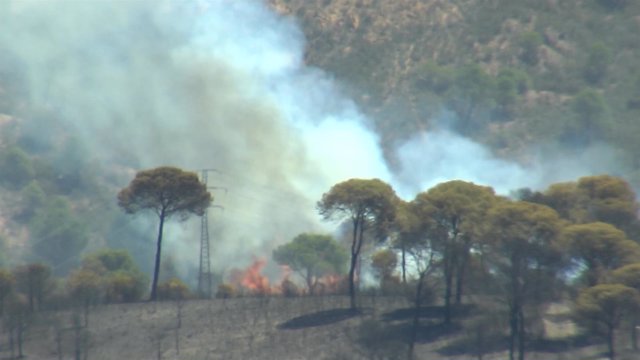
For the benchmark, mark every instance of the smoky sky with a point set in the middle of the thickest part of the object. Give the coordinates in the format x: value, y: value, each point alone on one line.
x: 221, y: 84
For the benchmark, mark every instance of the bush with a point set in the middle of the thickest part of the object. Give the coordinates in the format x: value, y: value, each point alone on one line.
x: 598, y: 60
x: 7, y: 282
x: 438, y: 79
x: 225, y: 291
x: 122, y: 287
x: 16, y: 169
x: 384, y: 263
x: 33, y: 198
x: 112, y: 260
x: 589, y: 107
x: 120, y: 278
x: 173, y: 289
x: 57, y: 235
x: 34, y: 281
x: 84, y: 286
x: 289, y: 289
x: 529, y: 43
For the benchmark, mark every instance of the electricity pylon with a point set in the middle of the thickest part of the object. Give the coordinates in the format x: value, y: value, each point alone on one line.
x: 204, y: 273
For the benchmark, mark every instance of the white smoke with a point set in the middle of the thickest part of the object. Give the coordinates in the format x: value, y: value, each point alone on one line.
x: 218, y: 84
x: 441, y: 155
x: 215, y: 84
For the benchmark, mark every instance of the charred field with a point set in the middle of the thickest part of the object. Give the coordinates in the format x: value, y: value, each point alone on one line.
x: 321, y: 327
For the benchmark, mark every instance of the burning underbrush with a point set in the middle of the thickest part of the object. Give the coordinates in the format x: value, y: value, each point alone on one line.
x: 252, y: 281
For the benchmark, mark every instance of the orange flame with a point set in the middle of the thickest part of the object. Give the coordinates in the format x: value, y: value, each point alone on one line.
x: 252, y: 279
x: 254, y: 282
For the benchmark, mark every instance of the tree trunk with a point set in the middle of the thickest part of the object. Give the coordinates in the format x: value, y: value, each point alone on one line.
x: 12, y: 342
x: 461, y: 271
x: 521, y: 334
x: 449, y: 262
x: 78, y: 351
x: 611, y: 342
x: 20, y: 339
x: 416, y: 316
x: 634, y: 332
x: 356, y: 245
x: 156, y: 270
x: 447, y: 299
x: 352, y: 266
x: 86, y: 313
x: 310, y: 284
x: 448, y: 279
x: 31, y: 293
x: 513, y: 329
x: 404, y: 265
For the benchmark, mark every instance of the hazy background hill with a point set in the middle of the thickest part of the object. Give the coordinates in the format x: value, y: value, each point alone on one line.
x: 400, y: 60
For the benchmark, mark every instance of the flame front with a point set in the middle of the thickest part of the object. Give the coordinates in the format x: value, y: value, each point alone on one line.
x: 252, y: 279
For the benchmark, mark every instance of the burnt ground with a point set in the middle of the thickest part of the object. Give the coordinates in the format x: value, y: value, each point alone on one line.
x: 275, y: 328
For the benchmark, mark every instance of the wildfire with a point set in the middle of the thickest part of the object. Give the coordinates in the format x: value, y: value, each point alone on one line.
x: 252, y: 279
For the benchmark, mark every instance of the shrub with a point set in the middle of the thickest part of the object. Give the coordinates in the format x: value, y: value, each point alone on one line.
x: 84, y: 286
x: 122, y: 287
x: 225, y: 291
x: 57, y: 235
x: 598, y: 60
x: 289, y: 289
x: 529, y: 43
x: 173, y: 289
x: 16, y: 169
x: 34, y: 281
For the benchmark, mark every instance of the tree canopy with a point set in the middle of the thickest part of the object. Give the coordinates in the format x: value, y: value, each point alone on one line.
x: 369, y: 205
x: 599, y: 248
x: 603, y: 307
x: 524, y: 254
x: 312, y: 256
x: 165, y: 191
x: 58, y: 237
x: 453, y: 211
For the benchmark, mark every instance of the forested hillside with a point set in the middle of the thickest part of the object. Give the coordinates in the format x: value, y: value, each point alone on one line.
x: 515, y: 74
x: 465, y: 171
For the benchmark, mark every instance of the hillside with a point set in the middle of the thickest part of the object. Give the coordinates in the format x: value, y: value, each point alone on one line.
x: 397, y: 59
x: 483, y: 152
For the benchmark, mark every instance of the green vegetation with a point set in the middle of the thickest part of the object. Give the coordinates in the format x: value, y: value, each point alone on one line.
x: 572, y: 238
x: 529, y: 45
x: 384, y: 263
x: 598, y: 248
x: 369, y: 205
x: 514, y: 73
x: 312, y: 256
x: 413, y: 66
x: 166, y: 192
x: 604, y: 307
x: 58, y: 236
x: 16, y: 167
x: 173, y: 289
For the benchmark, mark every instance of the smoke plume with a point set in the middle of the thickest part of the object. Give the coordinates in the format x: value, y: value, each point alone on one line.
x: 216, y: 84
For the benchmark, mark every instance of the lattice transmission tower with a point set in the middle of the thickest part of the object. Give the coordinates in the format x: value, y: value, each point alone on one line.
x: 204, y: 273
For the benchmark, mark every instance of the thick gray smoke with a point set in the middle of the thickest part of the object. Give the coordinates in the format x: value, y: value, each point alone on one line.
x: 218, y: 84
x: 440, y: 155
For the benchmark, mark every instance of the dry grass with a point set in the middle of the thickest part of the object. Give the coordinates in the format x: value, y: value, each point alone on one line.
x: 257, y: 328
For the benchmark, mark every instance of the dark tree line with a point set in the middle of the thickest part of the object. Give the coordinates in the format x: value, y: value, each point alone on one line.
x: 529, y: 248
